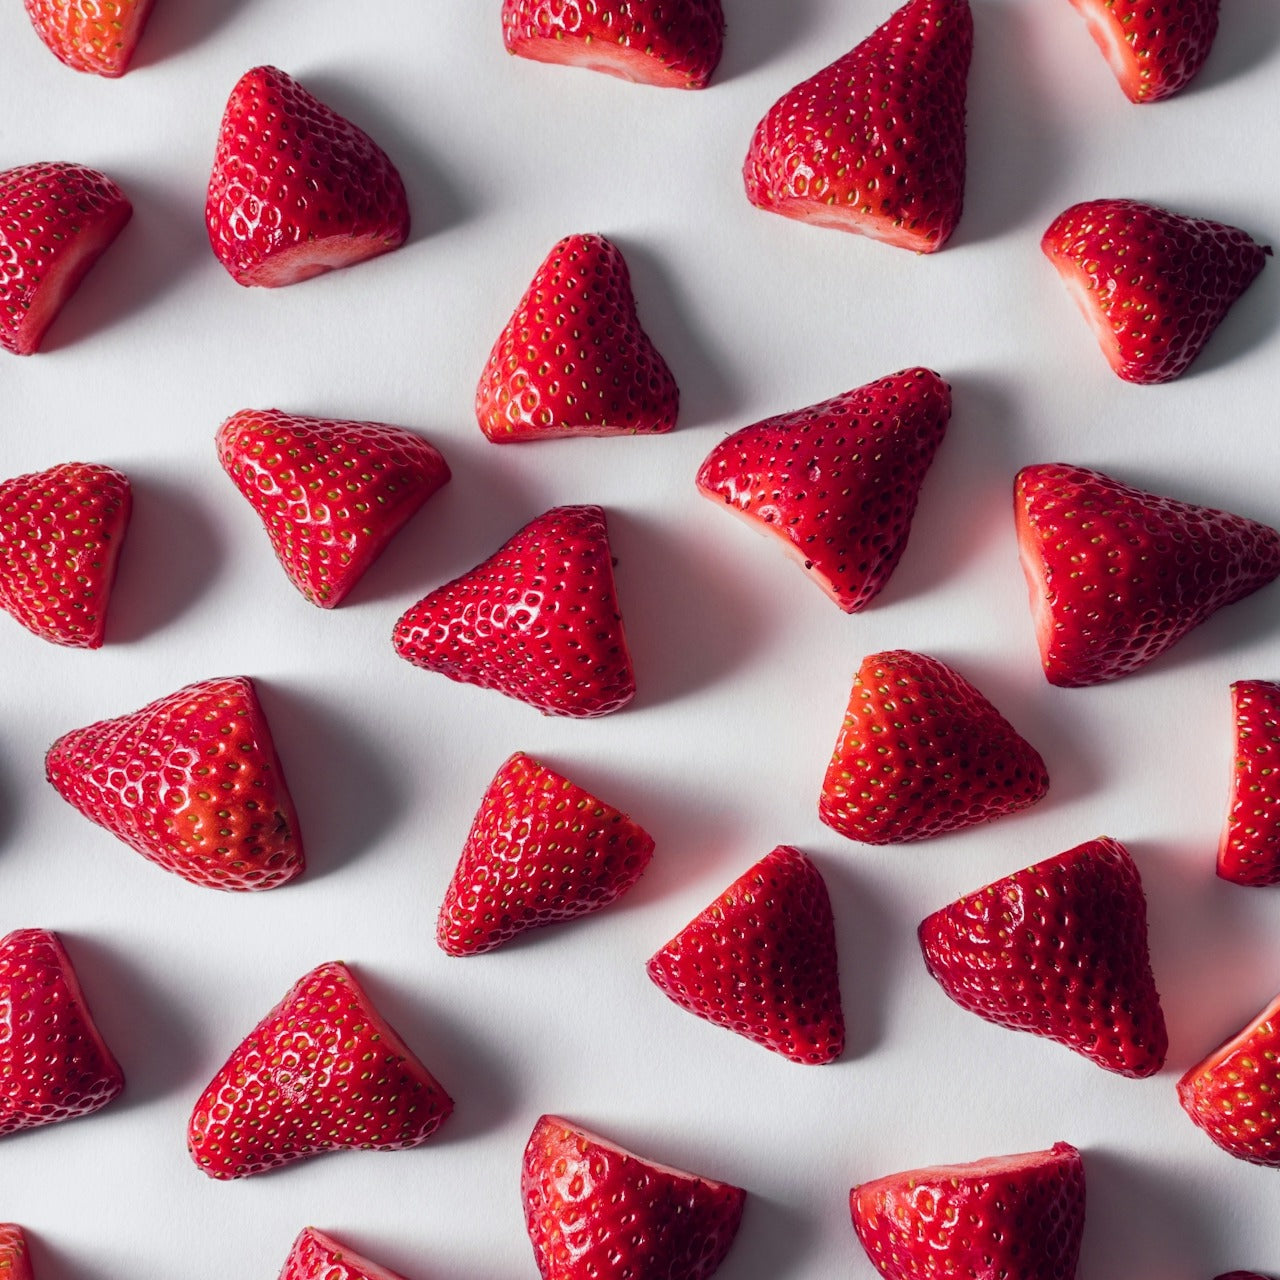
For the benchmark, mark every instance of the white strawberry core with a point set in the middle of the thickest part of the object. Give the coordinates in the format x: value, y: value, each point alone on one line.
x: 1108, y: 35
x: 1087, y: 300
x: 313, y: 258
x: 1031, y: 557
x: 596, y: 1140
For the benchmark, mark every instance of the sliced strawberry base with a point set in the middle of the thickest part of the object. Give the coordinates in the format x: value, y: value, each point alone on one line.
x: 1107, y: 30
x: 311, y: 258
x: 887, y: 228
x: 624, y: 61
x: 1034, y: 569
x: 316, y: 1256
x: 1087, y: 300
x: 94, y: 36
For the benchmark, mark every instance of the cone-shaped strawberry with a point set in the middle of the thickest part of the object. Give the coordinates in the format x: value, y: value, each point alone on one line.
x: 15, y: 1261
x: 316, y: 1256
x: 96, y: 36
x: 1249, y: 850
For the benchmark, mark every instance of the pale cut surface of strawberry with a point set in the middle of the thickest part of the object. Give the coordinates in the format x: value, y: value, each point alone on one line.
x: 317, y: 1256
x: 921, y: 753
x: 1152, y: 284
x: 323, y: 1071
x: 331, y: 493
x: 1118, y: 575
x: 574, y: 359
x: 296, y: 189
x: 540, y: 851
x: 95, y: 36
x: 192, y: 782
x: 1060, y: 950
x: 537, y: 621
x: 672, y: 44
x: 54, y: 1064
x: 15, y: 1261
x: 61, y: 531
x: 56, y: 221
x: 875, y: 143
x: 837, y: 483
x: 761, y: 961
x: 1014, y: 1217
x: 1249, y: 849
x: 597, y: 1212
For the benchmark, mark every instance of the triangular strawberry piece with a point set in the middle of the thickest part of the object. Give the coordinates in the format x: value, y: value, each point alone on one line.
x: 88, y: 35
x: 61, y: 531
x: 192, y: 782
x: 316, y: 1256
x: 323, y: 1071
x: 875, y: 142
x: 1249, y: 850
x: 15, y: 1261
x: 1153, y: 285
x: 574, y: 359
x: 54, y: 1064
x: 537, y: 621
x: 921, y: 753
x: 837, y: 483
x: 761, y: 961
x: 540, y: 851
x: 1118, y: 575
x: 1059, y: 950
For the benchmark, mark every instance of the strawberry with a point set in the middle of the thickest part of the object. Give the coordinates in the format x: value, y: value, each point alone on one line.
x: 837, y: 483
x: 1059, y: 950
x: 921, y: 753
x: 541, y: 850
x: 874, y: 143
x: 674, y: 44
x: 192, y: 782
x: 323, y: 1071
x: 1249, y: 850
x: 761, y: 961
x: 1154, y: 285
x: 1118, y: 575
x: 574, y: 359
x: 597, y: 1212
x: 61, y: 531
x: 331, y: 493
x: 1019, y: 1217
x: 54, y: 1064
x: 56, y: 221
x: 537, y: 621
x: 15, y: 1264
x: 97, y: 36
x: 296, y: 189
x: 1232, y: 1094
x: 316, y: 1256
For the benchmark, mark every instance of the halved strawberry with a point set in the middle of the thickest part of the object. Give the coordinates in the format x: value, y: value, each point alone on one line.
x: 323, y: 1071
x: 837, y: 483
x: 875, y: 143
x: 192, y: 782
x: 316, y: 1256
x: 921, y: 753
x: 597, y: 1212
x: 1118, y: 575
x: 1060, y: 950
x: 15, y: 1262
x: 97, y: 36
x: 296, y: 189
x: 1249, y: 850
x: 56, y: 221
x: 537, y: 621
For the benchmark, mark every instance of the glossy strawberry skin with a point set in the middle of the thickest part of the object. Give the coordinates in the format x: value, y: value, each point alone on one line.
x: 537, y: 621
x: 56, y: 221
x: 54, y: 1064
x: 316, y: 1256
x: 15, y: 1262
x: 331, y: 493
x: 875, y: 143
x: 837, y: 483
x: 1118, y: 575
x: 323, y: 1071
x: 296, y: 189
x: 192, y: 782
x: 95, y: 36
x: 597, y: 1212
x: 1249, y: 850
x: 922, y: 753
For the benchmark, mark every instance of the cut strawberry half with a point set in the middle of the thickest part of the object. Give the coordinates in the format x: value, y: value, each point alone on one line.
x: 1249, y: 850
x: 316, y: 1256
x: 90, y: 35
x: 15, y: 1261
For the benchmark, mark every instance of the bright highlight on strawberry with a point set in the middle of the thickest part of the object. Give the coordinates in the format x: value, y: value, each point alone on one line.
x: 97, y: 36
x: 316, y: 1256
x: 1249, y: 850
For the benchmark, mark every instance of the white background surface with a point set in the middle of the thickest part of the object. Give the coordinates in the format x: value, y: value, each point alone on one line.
x: 743, y: 665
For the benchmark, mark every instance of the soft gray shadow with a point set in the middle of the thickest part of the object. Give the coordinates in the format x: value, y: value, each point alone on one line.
x: 757, y: 34
x: 1250, y: 322
x: 48, y: 1262
x: 1248, y: 35
x: 178, y: 25
x: 9, y: 803
x: 774, y: 1242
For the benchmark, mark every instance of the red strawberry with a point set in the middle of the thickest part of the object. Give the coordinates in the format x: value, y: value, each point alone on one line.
x: 574, y: 359
x: 541, y: 850
x: 296, y: 189
x: 674, y: 44
x: 1154, y: 285
x: 332, y: 494
x: 874, y: 143
x: 921, y: 753
x: 323, y: 1071
x: 761, y: 960
x: 98, y: 36
x: 1232, y: 1094
x: 316, y: 1256
x: 54, y: 1064
x: 537, y: 621
x: 837, y: 483
x: 597, y: 1212
x: 1059, y: 950
x: 60, y: 536
x: 1011, y: 1216
x: 1249, y: 850
x: 56, y: 221
x: 1118, y: 575
x: 192, y: 782
x: 15, y: 1264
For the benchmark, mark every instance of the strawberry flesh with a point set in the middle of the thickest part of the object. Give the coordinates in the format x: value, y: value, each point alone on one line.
x: 95, y: 36
x: 1249, y: 850
x: 316, y: 1256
